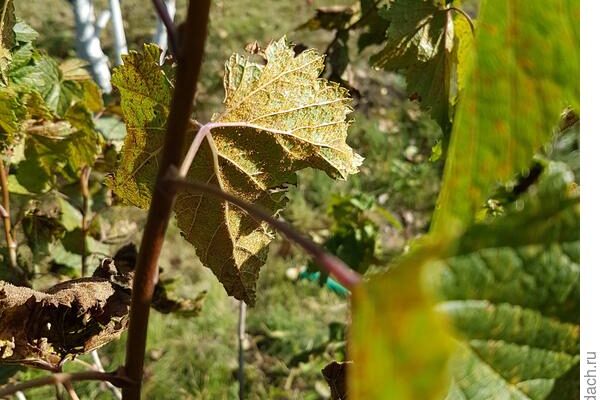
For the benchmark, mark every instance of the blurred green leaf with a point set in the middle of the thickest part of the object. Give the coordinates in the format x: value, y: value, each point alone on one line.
x: 24, y: 33
x: 353, y: 236
x: 60, y: 148
x: 70, y: 217
x: 398, y: 344
x: 112, y: 128
x: 524, y: 72
x: 61, y: 86
x: 512, y: 294
x: 374, y: 25
x: 510, y: 288
x: 509, y: 284
x: 463, y: 42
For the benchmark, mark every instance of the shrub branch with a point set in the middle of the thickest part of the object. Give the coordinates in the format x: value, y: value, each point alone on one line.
x: 65, y: 378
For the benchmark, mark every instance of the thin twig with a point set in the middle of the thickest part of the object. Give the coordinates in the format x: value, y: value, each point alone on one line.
x: 163, y: 14
x: 330, y: 263
x: 70, y: 390
x: 11, y: 244
x: 98, y: 365
x: 61, y: 378
x: 20, y: 396
x: 84, y: 180
x: 241, y: 337
x: 58, y: 391
x: 466, y: 16
x: 146, y: 270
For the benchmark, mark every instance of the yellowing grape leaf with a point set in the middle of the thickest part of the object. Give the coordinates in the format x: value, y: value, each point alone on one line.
x: 463, y: 42
x: 398, y: 344
x: 145, y: 98
x: 9, y: 110
x: 280, y: 116
x: 7, y: 36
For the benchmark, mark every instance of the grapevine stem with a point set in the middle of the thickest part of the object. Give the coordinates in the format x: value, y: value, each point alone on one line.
x: 161, y: 205
x: 330, y: 263
x: 62, y: 378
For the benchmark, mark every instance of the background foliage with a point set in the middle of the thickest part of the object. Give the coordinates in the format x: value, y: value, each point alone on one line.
x: 296, y: 326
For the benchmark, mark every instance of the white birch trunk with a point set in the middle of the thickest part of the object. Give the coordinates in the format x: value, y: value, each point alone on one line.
x: 88, y: 43
x: 120, y: 42
x: 160, y: 35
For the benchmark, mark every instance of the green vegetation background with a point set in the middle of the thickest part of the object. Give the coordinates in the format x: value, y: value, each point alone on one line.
x: 296, y: 327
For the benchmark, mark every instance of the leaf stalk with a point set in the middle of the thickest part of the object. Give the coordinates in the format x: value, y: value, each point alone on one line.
x: 330, y: 263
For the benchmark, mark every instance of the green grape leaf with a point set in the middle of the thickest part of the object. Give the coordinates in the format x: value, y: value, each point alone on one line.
x: 354, y: 236
x: 330, y: 18
x: 58, y: 148
x: 24, y: 33
x: 112, y: 128
x: 421, y: 44
x: 45, y: 75
x: 10, y: 108
x: 35, y: 107
x: 7, y: 35
x: 514, y: 94
x: 515, y: 300
x: 374, y: 25
x: 145, y: 99
x: 42, y: 227
x: 280, y: 117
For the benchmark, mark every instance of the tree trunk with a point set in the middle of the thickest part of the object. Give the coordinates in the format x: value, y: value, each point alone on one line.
x: 120, y: 42
x: 88, y: 43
